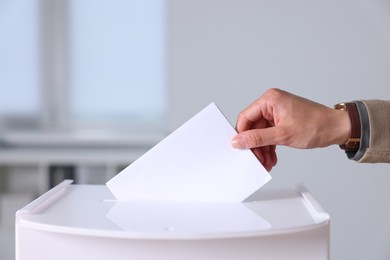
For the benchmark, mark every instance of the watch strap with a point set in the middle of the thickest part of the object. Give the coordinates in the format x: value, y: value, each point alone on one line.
x: 353, y: 142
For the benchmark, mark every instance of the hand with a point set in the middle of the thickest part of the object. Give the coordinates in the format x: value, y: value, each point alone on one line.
x: 281, y: 118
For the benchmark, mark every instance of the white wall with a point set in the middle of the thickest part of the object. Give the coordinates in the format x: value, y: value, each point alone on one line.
x: 230, y: 52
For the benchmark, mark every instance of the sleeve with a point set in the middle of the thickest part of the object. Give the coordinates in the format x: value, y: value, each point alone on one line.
x: 375, y: 134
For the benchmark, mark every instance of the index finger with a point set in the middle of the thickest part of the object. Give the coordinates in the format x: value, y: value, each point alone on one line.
x: 249, y: 116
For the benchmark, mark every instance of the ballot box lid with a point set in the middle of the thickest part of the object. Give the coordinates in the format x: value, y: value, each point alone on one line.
x: 93, y: 211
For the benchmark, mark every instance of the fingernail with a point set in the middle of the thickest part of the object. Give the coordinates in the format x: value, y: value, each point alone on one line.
x: 238, y: 142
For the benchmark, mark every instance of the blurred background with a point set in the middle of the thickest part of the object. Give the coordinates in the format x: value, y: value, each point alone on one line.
x: 87, y: 87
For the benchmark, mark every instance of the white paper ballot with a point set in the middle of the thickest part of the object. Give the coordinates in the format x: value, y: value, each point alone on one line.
x: 195, y: 163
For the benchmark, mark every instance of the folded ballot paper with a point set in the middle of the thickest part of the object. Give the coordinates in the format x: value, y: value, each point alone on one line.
x: 195, y: 163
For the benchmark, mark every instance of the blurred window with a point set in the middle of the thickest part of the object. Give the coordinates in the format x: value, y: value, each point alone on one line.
x: 19, y: 59
x: 93, y: 63
x: 116, y: 60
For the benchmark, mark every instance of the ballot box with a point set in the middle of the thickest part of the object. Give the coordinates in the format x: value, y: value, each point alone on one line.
x: 86, y: 222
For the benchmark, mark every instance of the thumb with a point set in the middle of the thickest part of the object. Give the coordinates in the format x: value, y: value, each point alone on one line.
x: 256, y: 138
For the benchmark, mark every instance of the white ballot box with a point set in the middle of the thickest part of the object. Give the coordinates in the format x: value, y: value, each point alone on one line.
x: 86, y: 222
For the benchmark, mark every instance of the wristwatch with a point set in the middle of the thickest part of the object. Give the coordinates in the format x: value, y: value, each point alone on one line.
x: 353, y: 142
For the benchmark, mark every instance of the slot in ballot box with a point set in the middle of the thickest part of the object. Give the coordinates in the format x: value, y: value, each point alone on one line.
x: 86, y: 222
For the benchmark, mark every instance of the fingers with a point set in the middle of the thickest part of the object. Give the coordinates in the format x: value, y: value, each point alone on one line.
x: 249, y: 116
x: 267, y: 156
x: 263, y: 147
x: 258, y: 137
x: 260, y: 110
x: 257, y: 127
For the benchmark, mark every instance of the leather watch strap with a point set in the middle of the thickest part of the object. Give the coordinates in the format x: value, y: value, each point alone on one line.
x: 353, y: 141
